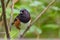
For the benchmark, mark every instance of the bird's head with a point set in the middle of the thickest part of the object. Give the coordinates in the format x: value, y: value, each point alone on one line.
x: 24, y: 12
x: 24, y: 15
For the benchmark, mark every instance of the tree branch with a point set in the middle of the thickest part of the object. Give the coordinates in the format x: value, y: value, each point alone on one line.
x: 37, y: 18
x: 11, y: 16
x: 7, y: 3
x: 6, y: 6
x: 4, y: 18
x: 1, y: 17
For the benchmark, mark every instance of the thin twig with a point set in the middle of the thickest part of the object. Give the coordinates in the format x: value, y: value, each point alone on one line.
x: 6, y: 6
x: 37, y: 18
x: 11, y: 16
x: 7, y: 3
x: 4, y: 18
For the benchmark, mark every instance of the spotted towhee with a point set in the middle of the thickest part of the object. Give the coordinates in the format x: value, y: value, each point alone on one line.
x: 23, y: 16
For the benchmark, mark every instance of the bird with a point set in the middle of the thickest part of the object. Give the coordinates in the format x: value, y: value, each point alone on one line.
x: 23, y: 16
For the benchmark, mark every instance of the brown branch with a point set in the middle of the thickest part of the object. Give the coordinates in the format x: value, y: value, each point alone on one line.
x: 37, y: 18
x: 7, y: 3
x: 1, y: 17
x: 4, y: 18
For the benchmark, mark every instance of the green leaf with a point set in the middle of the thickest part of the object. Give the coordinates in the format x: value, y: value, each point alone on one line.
x: 36, y: 3
x: 53, y: 26
x: 33, y: 28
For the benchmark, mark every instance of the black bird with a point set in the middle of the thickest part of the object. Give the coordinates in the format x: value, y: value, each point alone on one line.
x: 23, y: 16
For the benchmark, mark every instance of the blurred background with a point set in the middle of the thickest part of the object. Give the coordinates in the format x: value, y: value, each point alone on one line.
x: 48, y: 26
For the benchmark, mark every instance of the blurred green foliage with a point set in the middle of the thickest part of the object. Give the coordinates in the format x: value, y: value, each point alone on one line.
x: 47, y: 26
